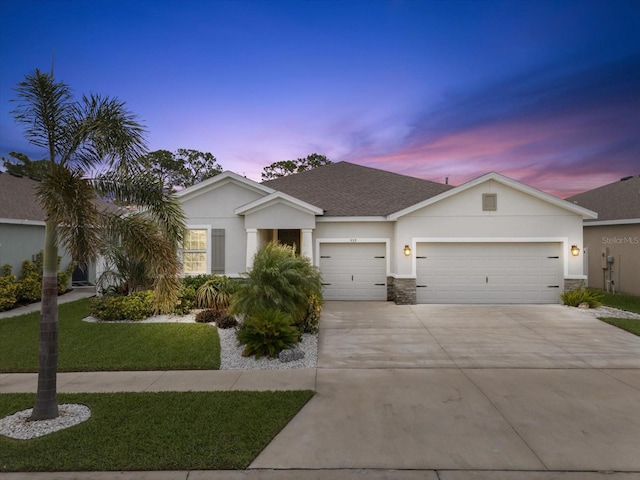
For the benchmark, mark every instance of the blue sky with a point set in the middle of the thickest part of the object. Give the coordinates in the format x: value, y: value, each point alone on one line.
x: 545, y: 92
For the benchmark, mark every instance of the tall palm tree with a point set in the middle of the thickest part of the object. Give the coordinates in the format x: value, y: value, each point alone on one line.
x: 94, y: 134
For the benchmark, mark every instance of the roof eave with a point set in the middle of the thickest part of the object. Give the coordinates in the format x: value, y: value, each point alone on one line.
x: 585, y: 213
x: 222, y: 178
x: 275, y: 196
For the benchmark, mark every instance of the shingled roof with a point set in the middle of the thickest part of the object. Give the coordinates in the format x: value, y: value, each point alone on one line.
x: 346, y: 190
x: 616, y: 201
x: 18, y: 200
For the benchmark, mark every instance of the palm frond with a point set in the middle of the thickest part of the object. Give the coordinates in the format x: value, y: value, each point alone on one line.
x: 145, y: 193
x: 113, y: 135
x: 142, y: 240
x: 69, y: 200
x: 44, y: 107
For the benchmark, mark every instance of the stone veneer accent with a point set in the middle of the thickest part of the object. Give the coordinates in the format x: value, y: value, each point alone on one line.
x: 391, y: 293
x: 405, y: 291
x: 573, y: 284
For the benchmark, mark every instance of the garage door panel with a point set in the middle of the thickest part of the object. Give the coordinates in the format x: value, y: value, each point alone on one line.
x: 355, y: 271
x: 488, y: 273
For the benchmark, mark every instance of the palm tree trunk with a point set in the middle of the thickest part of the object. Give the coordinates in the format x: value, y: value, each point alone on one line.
x: 46, y: 406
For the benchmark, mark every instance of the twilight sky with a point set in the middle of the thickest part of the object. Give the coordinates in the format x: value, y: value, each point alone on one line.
x: 545, y: 92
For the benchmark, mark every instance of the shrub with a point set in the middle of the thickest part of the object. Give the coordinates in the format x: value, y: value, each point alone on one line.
x: 221, y: 318
x: 136, y: 306
x: 8, y: 288
x: 267, y: 332
x: 206, y: 316
x: 225, y: 320
x: 63, y: 278
x: 309, y: 323
x: 30, y: 281
x: 280, y: 280
x: 216, y: 293
x: 573, y: 298
x: 196, y: 281
x: 186, y: 300
x: 29, y: 284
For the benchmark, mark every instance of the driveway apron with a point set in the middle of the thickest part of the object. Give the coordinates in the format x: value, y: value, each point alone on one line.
x: 450, y: 387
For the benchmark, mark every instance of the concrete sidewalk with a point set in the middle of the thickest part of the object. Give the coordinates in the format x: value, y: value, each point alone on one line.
x: 166, y: 381
x: 430, y: 392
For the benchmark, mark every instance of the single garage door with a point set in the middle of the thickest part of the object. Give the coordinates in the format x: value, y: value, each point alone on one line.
x: 354, y: 271
x: 488, y: 273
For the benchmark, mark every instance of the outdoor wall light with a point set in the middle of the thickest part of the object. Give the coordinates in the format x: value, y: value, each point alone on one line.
x: 407, y: 250
x: 575, y: 251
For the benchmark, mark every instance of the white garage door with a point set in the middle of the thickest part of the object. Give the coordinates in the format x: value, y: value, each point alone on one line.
x: 354, y: 271
x: 488, y: 273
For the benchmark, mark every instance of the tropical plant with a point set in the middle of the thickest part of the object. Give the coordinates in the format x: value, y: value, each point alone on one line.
x: 216, y: 293
x: 196, y: 281
x: 279, y: 279
x: 81, y: 137
x: 267, y: 332
x: 309, y: 323
x: 573, y: 298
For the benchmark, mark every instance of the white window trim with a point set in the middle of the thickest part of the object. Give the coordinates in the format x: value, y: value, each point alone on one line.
x: 208, y: 250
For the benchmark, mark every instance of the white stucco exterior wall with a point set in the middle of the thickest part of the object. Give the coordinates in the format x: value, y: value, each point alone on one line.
x: 519, y: 217
x: 214, y: 208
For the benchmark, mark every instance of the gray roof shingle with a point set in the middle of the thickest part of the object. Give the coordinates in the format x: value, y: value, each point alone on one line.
x: 616, y: 201
x: 346, y: 190
x: 18, y: 199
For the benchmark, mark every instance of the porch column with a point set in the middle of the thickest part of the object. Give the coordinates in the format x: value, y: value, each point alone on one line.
x: 252, y: 245
x: 306, y: 244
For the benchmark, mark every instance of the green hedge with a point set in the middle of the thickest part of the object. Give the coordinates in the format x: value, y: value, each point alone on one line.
x: 111, y: 308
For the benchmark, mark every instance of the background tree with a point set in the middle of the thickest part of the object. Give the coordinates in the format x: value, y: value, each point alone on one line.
x: 22, y: 165
x: 94, y: 133
x: 288, y: 167
x: 183, y: 168
x: 198, y: 166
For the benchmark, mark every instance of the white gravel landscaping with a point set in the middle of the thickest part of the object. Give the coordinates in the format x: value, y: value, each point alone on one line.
x: 19, y: 426
x: 605, y: 312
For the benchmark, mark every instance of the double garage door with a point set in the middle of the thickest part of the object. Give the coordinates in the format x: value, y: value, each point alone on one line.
x: 448, y: 272
x: 354, y: 271
x: 488, y: 273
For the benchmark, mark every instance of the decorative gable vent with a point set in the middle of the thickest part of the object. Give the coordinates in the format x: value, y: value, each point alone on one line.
x: 489, y: 202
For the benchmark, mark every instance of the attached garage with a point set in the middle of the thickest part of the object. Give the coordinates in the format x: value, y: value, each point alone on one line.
x: 528, y: 273
x: 354, y: 271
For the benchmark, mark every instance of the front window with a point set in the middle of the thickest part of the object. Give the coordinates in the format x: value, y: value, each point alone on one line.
x: 194, y: 252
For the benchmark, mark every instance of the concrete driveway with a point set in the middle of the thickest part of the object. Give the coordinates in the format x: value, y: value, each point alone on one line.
x: 477, y: 388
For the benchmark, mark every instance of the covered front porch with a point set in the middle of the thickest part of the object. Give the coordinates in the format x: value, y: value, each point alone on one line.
x: 279, y: 217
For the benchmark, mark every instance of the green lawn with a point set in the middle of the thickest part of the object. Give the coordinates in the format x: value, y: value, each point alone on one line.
x: 84, y: 346
x: 622, y: 301
x: 628, y: 324
x: 154, y: 431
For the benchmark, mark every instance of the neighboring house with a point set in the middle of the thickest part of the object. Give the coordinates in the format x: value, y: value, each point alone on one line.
x: 22, y: 224
x: 377, y: 235
x: 612, y: 242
